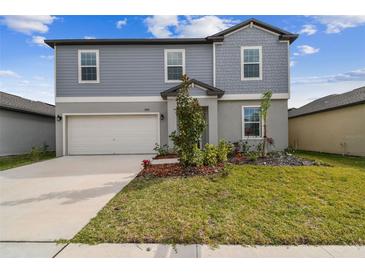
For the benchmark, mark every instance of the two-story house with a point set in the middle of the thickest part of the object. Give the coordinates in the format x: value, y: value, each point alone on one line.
x: 116, y: 96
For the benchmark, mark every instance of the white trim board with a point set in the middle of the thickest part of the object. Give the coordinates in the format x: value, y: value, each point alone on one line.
x: 136, y: 99
x: 108, y: 99
x: 252, y: 96
x: 65, y: 115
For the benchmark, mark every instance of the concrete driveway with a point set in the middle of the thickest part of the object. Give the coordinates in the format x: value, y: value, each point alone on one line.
x: 54, y: 199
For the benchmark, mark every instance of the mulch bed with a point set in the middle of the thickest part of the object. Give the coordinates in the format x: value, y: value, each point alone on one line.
x: 167, y: 156
x: 177, y: 170
x: 275, y: 160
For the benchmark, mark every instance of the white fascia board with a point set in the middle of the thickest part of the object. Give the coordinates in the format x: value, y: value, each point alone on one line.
x: 252, y: 96
x: 107, y: 99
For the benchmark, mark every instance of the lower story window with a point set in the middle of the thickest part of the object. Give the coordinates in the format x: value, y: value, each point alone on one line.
x: 251, y: 122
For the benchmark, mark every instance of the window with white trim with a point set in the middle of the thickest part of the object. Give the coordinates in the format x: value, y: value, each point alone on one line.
x: 89, y: 66
x: 174, y: 64
x: 251, y: 63
x: 251, y: 122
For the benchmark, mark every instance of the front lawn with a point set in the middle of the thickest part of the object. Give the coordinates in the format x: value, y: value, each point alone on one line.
x: 247, y: 205
x: 7, y: 162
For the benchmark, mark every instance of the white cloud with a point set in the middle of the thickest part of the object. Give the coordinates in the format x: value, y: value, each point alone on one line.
x: 9, y: 73
x: 28, y: 24
x: 354, y: 75
x: 121, y: 23
x: 39, y: 40
x: 47, y: 57
x: 336, y: 24
x: 38, y: 78
x: 159, y: 25
x: 188, y: 26
x: 204, y: 26
x: 292, y: 63
x: 306, y: 50
x: 308, y: 29
x: 89, y: 37
x: 24, y: 82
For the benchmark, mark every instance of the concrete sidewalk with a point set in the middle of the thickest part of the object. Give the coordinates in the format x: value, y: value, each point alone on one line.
x: 49, y: 250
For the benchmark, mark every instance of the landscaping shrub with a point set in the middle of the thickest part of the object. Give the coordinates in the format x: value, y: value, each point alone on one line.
x: 190, y: 124
x: 253, y: 155
x: 210, y: 155
x: 198, y: 156
x: 161, y: 150
x: 36, y: 153
x: 223, y: 150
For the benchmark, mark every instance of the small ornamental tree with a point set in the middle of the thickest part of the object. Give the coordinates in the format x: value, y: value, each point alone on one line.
x: 190, y: 124
x: 265, y: 105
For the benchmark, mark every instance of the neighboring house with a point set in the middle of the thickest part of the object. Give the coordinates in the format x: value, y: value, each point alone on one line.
x: 118, y: 95
x: 334, y: 124
x: 25, y: 124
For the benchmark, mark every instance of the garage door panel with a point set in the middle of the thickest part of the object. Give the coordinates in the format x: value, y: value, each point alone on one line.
x: 112, y: 134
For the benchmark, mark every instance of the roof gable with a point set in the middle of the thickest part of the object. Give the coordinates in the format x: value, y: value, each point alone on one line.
x: 282, y: 34
x: 209, y: 90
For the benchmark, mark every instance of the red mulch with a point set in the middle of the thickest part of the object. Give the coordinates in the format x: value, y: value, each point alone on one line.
x: 175, y: 170
x: 167, y: 156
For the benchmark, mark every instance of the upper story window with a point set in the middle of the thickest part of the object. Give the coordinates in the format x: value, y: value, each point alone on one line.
x: 251, y: 122
x: 174, y: 65
x: 89, y: 66
x: 251, y: 63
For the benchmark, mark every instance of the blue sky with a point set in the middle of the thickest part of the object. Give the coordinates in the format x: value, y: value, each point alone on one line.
x: 328, y: 57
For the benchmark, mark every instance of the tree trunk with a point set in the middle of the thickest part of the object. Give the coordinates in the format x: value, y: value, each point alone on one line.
x: 264, y: 150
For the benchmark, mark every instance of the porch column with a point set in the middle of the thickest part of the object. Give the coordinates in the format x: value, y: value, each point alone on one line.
x: 213, y: 121
x: 171, y: 118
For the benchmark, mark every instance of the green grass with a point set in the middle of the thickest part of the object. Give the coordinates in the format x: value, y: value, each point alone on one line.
x: 7, y: 162
x: 252, y: 205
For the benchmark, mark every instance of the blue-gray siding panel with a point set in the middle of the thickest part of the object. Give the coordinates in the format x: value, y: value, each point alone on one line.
x: 274, y: 58
x: 19, y: 132
x: 136, y: 70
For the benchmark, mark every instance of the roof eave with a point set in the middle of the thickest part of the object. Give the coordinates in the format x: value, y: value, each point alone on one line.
x: 327, y: 109
x: 167, y: 41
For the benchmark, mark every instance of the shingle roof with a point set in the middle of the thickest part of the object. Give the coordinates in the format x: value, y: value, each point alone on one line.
x: 330, y: 102
x: 218, y: 37
x: 16, y: 103
x: 210, y: 90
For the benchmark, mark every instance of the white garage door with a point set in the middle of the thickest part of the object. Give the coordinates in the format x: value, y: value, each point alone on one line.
x: 112, y: 134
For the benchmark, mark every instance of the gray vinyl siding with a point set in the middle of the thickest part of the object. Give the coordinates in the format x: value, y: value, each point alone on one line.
x: 19, y: 132
x: 274, y: 58
x: 230, y: 122
x: 136, y: 70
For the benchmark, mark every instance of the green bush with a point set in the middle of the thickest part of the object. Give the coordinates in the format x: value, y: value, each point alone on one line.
x: 210, y: 155
x: 224, y: 148
x: 36, y: 153
x: 161, y: 150
x: 253, y: 155
x: 190, y: 124
x: 198, y: 156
